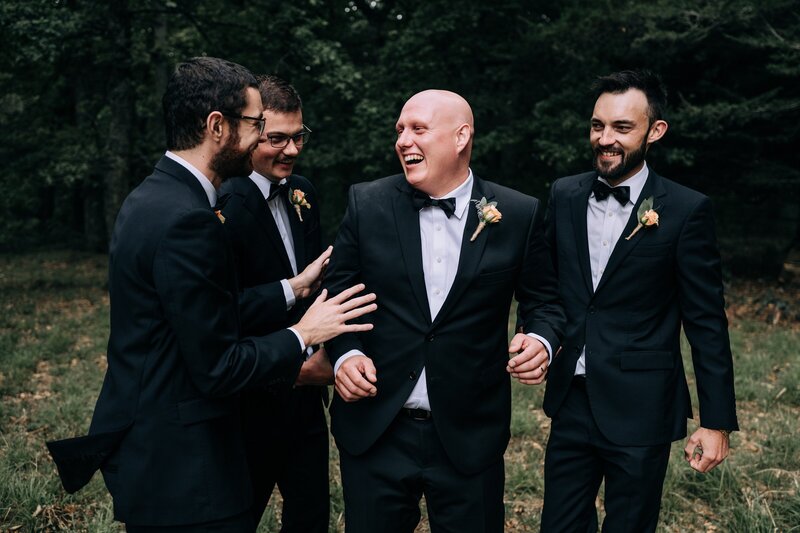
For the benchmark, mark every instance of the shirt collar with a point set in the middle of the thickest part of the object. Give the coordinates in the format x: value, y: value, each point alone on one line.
x: 462, y: 194
x: 635, y: 182
x: 211, y: 192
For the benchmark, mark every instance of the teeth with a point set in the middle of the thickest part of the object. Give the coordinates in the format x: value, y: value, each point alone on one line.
x: 412, y: 158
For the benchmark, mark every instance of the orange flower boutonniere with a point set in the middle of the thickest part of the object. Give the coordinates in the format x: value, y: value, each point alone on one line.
x: 220, y: 216
x: 487, y: 214
x: 646, y: 215
x: 298, y: 200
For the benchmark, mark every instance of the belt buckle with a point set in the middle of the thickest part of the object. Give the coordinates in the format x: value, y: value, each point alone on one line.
x: 417, y: 414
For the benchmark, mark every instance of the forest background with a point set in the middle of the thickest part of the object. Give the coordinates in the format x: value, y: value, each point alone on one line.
x: 80, y: 115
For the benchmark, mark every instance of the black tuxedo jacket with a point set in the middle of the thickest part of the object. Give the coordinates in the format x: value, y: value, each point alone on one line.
x: 465, y: 349
x: 166, y: 429
x: 664, y: 277
x: 260, y: 255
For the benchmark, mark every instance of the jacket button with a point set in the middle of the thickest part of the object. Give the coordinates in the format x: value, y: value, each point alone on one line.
x: 429, y: 338
x: 412, y: 376
x: 592, y: 309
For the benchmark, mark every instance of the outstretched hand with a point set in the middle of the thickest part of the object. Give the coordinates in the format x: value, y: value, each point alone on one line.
x: 327, y: 318
x: 309, y: 280
x: 705, y: 449
x: 529, y: 359
x: 355, y: 378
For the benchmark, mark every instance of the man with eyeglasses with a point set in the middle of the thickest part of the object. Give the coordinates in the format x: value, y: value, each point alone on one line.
x: 166, y: 430
x: 272, y: 219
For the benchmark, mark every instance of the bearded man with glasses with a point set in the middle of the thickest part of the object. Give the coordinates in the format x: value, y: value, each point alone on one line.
x: 272, y: 220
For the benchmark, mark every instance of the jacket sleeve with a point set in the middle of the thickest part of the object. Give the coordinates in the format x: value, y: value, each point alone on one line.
x: 196, y: 287
x: 704, y: 321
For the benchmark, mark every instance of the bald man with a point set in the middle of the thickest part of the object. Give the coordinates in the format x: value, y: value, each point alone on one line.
x: 423, y: 403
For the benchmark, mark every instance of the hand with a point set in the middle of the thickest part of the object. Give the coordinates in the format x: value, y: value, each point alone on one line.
x: 705, y: 449
x: 316, y: 370
x: 326, y: 319
x: 308, y: 281
x: 355, y: 378
x: 529, y: 361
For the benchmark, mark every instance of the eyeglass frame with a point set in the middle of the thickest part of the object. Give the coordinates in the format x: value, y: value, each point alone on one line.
x: 305, y: 134
x: 262, y: 122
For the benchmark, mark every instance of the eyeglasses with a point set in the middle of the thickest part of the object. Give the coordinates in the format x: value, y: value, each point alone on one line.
x: 261, y: 122
x: 280, y: 140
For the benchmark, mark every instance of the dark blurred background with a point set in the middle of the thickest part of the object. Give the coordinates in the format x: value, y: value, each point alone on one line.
x: 81, y: 85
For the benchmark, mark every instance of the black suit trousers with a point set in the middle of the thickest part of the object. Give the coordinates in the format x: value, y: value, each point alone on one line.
x: 579, y: 457
x: 286, y: 438
x: 383, y: 486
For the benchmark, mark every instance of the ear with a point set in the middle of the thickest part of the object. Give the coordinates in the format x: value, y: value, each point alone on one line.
x: 215, y: 126
x: 463, y: 136
x: 657, y: 130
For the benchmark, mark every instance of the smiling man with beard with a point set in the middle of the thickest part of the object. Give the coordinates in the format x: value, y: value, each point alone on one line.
x: 636, y: 259
x: 166, y: 430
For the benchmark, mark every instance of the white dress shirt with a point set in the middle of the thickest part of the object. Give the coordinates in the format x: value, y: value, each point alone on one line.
x: 211, y: 192
x: 605, y: 222
x: 441, y: 250
x: 278, y: 209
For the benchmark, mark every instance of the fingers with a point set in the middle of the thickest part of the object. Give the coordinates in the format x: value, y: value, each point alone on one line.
x: 355, y: 302
x: 325, y: 256
x: 516, y: 343
x: 348, y: 293
x: 705, y: 449
x: 355, y: 378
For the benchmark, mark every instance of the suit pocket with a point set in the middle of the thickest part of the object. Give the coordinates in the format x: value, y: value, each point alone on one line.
x: 202, y: 409
x: 491, y: 278
x: 646, y: 360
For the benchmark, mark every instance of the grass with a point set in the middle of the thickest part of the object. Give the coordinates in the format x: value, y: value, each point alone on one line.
x: 53, y: 334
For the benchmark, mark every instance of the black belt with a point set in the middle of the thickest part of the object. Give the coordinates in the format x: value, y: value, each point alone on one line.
x: 579, y: 380
x: 416, y: 414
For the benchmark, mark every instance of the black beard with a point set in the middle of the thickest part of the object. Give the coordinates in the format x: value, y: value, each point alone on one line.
x: 230, y: 161
x: 629, y: 161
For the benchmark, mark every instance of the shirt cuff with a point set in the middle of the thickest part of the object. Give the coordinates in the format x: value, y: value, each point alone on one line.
x: 546, y: 345
x: 302, y: 343
x: 288, y: 293
x: 344, y: 358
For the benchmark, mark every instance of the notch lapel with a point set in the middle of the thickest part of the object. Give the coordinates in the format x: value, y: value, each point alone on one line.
x: 471, y: 251
x: 257, y: 205
x: 578, y: 206
x: 653, y: 187
x: 406, y: 219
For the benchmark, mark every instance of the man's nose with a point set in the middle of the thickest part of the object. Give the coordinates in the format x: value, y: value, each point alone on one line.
x: 404, y: 138
x: 291, y: 148
x: 607, y: 137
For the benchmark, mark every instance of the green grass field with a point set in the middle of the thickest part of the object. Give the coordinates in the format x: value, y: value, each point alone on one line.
x: 53, y: 333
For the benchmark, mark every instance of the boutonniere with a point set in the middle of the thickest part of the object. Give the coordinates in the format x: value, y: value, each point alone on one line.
x: 298, y: 200
x: 646, y: 216
x: 220, y: 216
x: 487, y: 214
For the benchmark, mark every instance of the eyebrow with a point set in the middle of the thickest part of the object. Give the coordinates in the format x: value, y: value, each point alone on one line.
x: 286, y: 134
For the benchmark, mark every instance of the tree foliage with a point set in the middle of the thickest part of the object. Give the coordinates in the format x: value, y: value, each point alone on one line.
x: 81, y: 83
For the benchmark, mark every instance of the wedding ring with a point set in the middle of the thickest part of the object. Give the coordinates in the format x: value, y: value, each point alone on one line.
x: 543, y: 369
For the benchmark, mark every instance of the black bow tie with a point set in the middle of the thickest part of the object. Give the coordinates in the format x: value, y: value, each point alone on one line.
x: 601, y: 192
x: 420, y: 200
x: 276, y: 189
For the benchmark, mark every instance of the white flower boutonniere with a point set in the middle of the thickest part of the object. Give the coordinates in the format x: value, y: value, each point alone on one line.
x: 487, y: 214
x: 220, y: 216
x: 646, y: 215
x: 298, y: 200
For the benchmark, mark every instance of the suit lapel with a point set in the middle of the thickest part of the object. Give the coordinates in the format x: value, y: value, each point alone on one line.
x: 471, y: 251
x: 652, y: 187
x: 578, y: 206
x: 257, y: 205
x: 175, y: 169
x: 298, y: 234
x: 407, y: 221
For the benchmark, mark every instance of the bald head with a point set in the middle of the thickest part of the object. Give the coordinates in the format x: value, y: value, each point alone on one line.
x: 434, y: 140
